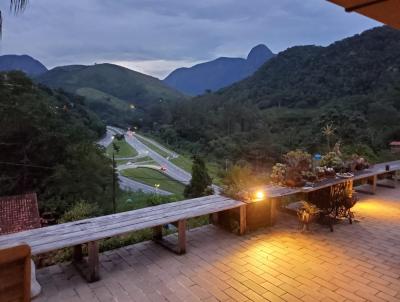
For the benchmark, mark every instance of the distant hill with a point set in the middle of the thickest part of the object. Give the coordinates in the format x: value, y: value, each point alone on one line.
x: 219, y: 73
x: 25, y: 63
x: 110, y: 89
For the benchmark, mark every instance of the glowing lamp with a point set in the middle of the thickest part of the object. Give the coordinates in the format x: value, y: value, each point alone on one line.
x: 260, y: 195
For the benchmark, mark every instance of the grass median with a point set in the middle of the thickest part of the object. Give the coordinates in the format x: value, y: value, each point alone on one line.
x: 152, y: 177
x: 125, y: 150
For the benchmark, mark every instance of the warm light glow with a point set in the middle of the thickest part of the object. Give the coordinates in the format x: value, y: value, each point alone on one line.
x: 260, y: 195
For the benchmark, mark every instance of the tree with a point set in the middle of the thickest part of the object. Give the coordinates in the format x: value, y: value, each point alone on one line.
x: 49, y: 150
x: 16, y: 6
x: 200, y: 183
x: 328, y: 131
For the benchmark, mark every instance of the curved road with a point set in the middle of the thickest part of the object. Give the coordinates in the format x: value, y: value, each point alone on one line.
x: 172, y: 170
x: 105, y: 141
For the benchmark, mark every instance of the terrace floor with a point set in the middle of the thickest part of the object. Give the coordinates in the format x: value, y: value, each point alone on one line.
x: 359, y: 262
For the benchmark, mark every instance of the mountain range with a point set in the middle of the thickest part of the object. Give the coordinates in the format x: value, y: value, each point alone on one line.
x: 25, y: 63
x: 352, y: 85
x: 219, y: 73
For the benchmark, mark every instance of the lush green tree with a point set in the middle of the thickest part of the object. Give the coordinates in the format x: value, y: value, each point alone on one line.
x: 47, y: 145
x: 200, y: 183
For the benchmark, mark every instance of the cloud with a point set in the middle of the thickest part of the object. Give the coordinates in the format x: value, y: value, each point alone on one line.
x: 157, y: 34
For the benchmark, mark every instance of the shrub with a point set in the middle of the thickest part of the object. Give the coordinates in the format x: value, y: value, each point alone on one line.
x: 81, y: 210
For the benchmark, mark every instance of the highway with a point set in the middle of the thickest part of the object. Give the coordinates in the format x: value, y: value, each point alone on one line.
x: 172, y: 170
x: 105, y: 141
x: 170, y: 153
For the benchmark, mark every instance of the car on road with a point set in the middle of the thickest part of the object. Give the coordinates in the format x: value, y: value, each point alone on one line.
x: 163, y: 169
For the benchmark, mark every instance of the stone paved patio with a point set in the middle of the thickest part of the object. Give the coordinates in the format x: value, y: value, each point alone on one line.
x: 359, y: 262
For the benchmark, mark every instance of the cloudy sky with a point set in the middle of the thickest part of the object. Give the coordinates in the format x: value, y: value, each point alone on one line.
x: 156, y: 36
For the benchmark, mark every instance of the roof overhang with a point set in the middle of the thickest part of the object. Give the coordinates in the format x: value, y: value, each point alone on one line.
x: 385, y: 11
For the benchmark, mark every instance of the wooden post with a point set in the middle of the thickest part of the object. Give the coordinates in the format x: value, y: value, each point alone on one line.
x: 182, y: 236
x: 242, y: 219
x: 93, y: 261
x: 273, y: 210
x: 213, y: 218
x: 77, y: 253
x: 157, y: 232
x: 373, y: 184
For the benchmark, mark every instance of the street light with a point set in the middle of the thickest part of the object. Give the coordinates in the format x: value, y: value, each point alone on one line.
x: 115, y: 149
x: 157, y: 186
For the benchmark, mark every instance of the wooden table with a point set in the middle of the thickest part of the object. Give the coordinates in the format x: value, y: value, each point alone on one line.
x: 370, y: 175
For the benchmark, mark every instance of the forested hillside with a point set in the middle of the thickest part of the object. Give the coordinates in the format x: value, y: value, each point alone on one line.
x: 351, y: 85
x: 47, y: 145
x: 115, y: 93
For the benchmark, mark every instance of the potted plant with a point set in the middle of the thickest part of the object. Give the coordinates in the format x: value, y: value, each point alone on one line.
x: 297, y: 162
x: 307, y: 213
x: 278, y: 175
x: 332, y: 160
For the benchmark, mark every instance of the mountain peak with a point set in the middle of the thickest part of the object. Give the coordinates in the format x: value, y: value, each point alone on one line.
x: 219, y: 73
x: 259, y: 54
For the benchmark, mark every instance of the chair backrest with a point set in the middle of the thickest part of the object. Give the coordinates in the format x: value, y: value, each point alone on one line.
x: 15, y: 273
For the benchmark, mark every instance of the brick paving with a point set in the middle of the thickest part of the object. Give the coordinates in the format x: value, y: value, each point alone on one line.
x: 359, y: 262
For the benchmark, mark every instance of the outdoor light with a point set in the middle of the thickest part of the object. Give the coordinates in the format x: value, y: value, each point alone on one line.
x: 260, y: 195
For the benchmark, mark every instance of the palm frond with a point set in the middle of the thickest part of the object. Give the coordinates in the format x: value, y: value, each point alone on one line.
x: 1, y: 25
x: 17, y: 6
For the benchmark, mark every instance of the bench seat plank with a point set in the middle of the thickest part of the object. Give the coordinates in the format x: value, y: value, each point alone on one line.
x: 72, y: 234
x: 97, y: 222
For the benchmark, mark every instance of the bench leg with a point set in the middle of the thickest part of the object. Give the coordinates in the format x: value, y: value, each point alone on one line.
x: 88, y: 269
x: 182, y: 236
x: 93, y: 261
x: 180, y: 247
x: 242, y: 224
x: 373, y: 183
x: 77, y: 253
x: 157, y: 233
x: 213, y: 218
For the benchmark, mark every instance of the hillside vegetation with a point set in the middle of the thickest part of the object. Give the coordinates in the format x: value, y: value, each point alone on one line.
x: 111, y: 89
x: 351, y: 85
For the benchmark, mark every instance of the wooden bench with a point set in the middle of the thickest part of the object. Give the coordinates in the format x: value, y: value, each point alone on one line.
x: 89, y: 231
x: 15, y: 273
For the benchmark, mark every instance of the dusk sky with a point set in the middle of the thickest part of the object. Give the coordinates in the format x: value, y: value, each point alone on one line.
x: 157, y: 36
